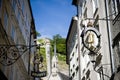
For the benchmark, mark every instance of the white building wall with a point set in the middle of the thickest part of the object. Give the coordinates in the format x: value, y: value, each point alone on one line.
x: 93, y: 11
x: 105, y: 51
x: 48, y: 57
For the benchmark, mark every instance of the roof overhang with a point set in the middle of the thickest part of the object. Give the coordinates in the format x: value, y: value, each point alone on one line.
x: 77, y: 2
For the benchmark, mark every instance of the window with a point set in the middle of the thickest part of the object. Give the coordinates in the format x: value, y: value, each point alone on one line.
x: 11, y: 75
x: 23, y: 7
x: 13, y: 32
x: 114, y: 9
x: 116, y: 45
x: 118, y: 5
x: 77, y: 68
x: 0, y: 3
x: 118, y: 50
x: 85, y: 13
x: 0, y: 7
x: 18, y: 2
x: 5, y: 19
x: 14, y: 4
x: 115, y: 4
x: 18, y: 16
x: 83, y: 78
x: 73, y: 74
x: 96, y: 24
x: 87, y: 74
x: 97, y: 27
x: 95, y: 5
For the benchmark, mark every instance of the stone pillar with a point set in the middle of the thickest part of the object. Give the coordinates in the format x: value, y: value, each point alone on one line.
x: 48, y: 58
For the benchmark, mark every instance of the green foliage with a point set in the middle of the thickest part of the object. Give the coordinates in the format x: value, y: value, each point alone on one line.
x: 42, y: 52
x: 41, y: 41
x: 38, y: 34
x: 61, y: 57
x: 57, y: 36
x: 60, y: 47
x: 60, y: 44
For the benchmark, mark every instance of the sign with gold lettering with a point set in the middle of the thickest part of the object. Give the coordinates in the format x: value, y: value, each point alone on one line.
x: 38, y: 74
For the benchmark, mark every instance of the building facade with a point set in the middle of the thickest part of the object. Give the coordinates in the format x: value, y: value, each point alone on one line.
x: 17, y: 28
x: 113, y: 9
x: 72, y: 50
x: 104, y: 16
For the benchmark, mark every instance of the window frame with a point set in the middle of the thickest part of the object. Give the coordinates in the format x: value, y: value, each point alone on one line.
x: 95, y: 5
x: 0, y: 4
x: 116, y: 45
x: 115, y: 7
x: 5, y: 19
x: 0, y: 7
x: 13, y: 32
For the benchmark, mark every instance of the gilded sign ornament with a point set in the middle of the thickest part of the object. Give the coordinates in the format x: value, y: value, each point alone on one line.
x: 89, y: 33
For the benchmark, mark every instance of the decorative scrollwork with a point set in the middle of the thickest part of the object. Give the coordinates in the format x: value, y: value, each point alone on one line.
x: 9, y: 54
x: 13, y: 52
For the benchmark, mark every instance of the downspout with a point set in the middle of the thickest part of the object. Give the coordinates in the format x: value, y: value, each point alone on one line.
x: 78, y: 33
x: 29, y: 55
x: 109, y: 38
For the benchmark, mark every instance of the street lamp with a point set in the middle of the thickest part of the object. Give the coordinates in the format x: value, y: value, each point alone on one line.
x: 91, y: 40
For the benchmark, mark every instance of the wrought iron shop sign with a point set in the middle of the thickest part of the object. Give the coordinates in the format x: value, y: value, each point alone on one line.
x: 9, y: 54
x: 38, y: 74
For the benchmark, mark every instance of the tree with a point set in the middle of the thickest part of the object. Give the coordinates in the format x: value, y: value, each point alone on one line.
x: 38, y: 34
x: 57, y: 36
x: 60, y: 44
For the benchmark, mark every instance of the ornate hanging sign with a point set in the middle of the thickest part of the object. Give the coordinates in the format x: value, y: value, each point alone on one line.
x: 9, y: 54
x: 38, y: 74
x: 89, y: 36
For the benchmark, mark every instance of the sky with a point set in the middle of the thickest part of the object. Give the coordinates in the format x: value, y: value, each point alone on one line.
x: 52, y: 16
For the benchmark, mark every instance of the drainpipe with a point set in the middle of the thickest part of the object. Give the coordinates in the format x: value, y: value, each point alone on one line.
x: 29, y: 55
x: 78, y: 33
x: 109, y: 38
